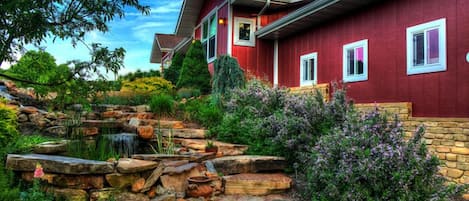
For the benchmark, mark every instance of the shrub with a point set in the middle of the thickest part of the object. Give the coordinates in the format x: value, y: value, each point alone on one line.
x: 194, y: 71
x: 123, y: 99
x: 8, y: 125
x: 148, y: 85
x: 368, y: 159
x: 162, y: 104
x: 202, y: 111
x: 172, y: 73
x: 227, y: 75
x: 188, y: 93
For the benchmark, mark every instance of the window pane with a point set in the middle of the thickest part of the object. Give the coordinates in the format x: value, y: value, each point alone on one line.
x: 204, y: 44
x: 305, y: 70
x: 433, y: 46
x: 311, y: 69
x: 211, y: 49
x: 360, y: 59
x: 350, y: 61
x: 213, y: 26
x: 419, y: 49
x: 205, y: 30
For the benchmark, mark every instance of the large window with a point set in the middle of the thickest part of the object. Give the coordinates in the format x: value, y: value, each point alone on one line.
x: 355, y: 61
x: 209, y: 36
x: 426, y: 47
x: 308, y: 69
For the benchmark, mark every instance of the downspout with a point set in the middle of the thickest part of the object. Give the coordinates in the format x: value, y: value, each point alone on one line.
x: 267, y: 4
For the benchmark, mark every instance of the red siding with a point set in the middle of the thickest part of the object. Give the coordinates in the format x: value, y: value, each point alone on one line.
x: 442, y: 94
x: 222, y: 31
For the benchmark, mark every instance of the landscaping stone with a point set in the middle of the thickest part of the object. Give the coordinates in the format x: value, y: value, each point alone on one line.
x: 69, y: 194
x: 58, y: 164
x: 174, y: 163
x: 181, y: 169
x: 90, y: 131
x: 153, y: 178
x: 38, y: 120
x: 57, y: 130
x: 50, y: 147
x: 184, y: 133
x: 175, y: 179
x: 160, y: 157
x: 162, y: 124
x: 127, y: 196
x: 256, y: 184
x: 248, y: 164
x: 224, y: 149
x: 118, y: 180
x: 22, y: 118
x: 101, y: 123
x: 145, y: 132
x: 165, y: 197
x: 137, y: 186
x: 127, y: 165
x: 79, y: 181
x: 134, y: 122
x: 29, y: 110
x: 103, y: 194
x: 111, y: 114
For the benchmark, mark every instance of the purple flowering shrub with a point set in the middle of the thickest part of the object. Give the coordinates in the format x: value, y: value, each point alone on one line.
x: 367, y: 158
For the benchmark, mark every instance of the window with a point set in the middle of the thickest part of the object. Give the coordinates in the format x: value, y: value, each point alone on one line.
x: 244, y: 32
x: 209, y: 36
x: 355, y: 61
x: 308, y: 69
x: 426, y: 47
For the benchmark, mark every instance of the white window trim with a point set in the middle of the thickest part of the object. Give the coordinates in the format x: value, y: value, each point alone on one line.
x: 315, y: 78
x: 207, y: 18
x: 252, y: 40
x: 427, y: 68
x: 355, y: 78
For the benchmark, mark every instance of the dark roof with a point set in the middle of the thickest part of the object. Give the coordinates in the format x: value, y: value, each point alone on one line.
x: 163, y: 43
x: 309, y: 15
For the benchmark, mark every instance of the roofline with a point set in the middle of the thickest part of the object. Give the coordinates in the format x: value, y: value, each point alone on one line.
x: 182, y: 44
x: 183, y: 6
x: 294, y: 16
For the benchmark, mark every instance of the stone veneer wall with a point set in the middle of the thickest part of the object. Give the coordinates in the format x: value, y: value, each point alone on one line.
x: 323, y: 88
x: 447, y: 138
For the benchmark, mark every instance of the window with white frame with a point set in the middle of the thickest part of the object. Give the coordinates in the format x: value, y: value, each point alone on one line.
x: 355, y: 61
x: 426, y: 47
x: 209, y: 36
x: 308, y: 69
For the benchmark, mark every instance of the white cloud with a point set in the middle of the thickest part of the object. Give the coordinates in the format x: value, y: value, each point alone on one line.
x: 172, y: 7
x: 150, y: 25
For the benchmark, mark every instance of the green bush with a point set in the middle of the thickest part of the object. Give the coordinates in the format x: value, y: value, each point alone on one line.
x: 162, y: 104
x: 367, y: 158
x: 194, y: 71
x: 188, y: 93
x: 172, y: 73
x: 148, y: 85
x: 8, y: 125
x: 201, y: 110
x: 124, y: 99
x: 227, y: 75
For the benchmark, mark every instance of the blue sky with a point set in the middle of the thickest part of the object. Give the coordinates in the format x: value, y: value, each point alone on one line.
x: 134, y: 33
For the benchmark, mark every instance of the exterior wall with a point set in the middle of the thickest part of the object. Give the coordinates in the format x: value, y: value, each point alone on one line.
x: 446, y: 138
x: 441, y: 94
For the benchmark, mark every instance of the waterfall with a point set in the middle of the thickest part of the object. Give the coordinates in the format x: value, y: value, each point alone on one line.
x: 124, y: 144
x: 4, y: 93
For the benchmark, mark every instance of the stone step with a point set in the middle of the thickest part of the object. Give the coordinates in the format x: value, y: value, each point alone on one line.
x: 248, y: 164
x: 102, y: 123
x: 128, y: 165
x: 187, y: 133
x: 57, y: 164
x: 256, y: 184
x: 193, y: 157
x: 274, y: 197
x: 161, y: 123
x: 224, y: 149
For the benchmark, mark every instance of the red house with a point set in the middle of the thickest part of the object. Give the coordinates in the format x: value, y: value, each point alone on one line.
x: 386, y: 51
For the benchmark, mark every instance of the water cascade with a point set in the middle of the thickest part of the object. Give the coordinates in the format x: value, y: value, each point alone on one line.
x: 124, y: 144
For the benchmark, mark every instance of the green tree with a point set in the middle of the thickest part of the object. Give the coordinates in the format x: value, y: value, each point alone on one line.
x: 172, y: 73
x: 228, y: 75
x: 194, y: 71
x: 33, y: 21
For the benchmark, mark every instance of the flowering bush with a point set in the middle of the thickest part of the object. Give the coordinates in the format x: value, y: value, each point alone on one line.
x: 368, y: 159
x: 147, y: 85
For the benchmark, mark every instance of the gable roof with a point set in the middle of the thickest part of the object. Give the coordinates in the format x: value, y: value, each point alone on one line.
x: 311, y: 14
x: 163, y: 43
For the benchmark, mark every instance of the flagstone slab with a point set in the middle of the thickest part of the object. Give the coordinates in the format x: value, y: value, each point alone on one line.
x: 128, y: 165
x: 224, y: 149
x: 248, y: 164
x: 58, y: 164
x: 192, y: 157
x: 188, y: 133
x: 256, y: 184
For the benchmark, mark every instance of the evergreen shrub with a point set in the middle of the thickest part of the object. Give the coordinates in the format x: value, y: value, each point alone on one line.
x: 227, y: 75
x: 194, y: 72
x: 172, y: 73
x: 162, y: 104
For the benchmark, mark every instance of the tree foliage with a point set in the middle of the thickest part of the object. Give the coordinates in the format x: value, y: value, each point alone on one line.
x: 172, y: 73
x: 228, y: 75
x: 25, y: 22
x: 139, y: 74
x: 194, y: 71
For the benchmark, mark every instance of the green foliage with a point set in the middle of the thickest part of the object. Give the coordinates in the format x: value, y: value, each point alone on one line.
x: 367, y: 158
x: 36, y: 193
x: 172, y: 73
x: 8, y: 125
x: 123, y: 99
x: 162, y: 104
x: 194, y: 71
x: 201, y: 110
x: 148, y: 85
x: 188, y: 93
x: 228, y: 75
x: 132, y: 76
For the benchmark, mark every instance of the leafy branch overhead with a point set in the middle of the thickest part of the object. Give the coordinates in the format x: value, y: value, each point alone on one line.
x: 24, y: 22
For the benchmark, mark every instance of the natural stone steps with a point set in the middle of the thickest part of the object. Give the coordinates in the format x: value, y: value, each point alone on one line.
x: 248, y: 164
x: 161, y: 123
x: 193, y: 157
x: 101, y: 123
x: 187, y: 133
x: 57, y: 164
x: 224, y: 149
x: 256, y: 184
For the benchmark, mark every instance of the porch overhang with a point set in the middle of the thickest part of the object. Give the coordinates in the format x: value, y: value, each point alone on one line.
x: 314, y: 13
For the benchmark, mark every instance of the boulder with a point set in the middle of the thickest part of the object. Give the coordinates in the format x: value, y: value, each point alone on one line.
x: 90, y: 131
x: 256, y: 184
x: 57, y: 130
x: 29, y: 110
x: 153, y: 178
x: 79, y: 181
x: 38, y: 120
x: 184, y: 133
x: 102, y: 123
x: 127, y: 196
x: 22, y: 118
x: 127, y: 165
x: 248, y: 164
x: 175, y: 179
x: 50, y: 147
x: 118, y: 180
x: 224, y: 149
x: 103, y: 194
x: 69, y: 194
x: 134, y: 122
x: 145, y: 132
x: 137, y: 186
x: 57, y: 164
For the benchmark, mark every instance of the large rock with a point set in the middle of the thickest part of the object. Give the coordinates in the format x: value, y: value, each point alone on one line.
x: 224, y: 149
x: 165, y: 197
x: 151, y: 180
x: 69, y: 194
x: 256, y: 184
x: 248, y: 164
x: 29, y: 110
x: 79, y: 181
x: 57, y: 130
x: 57, y: 164
x: 137, y: 186
x: 161, y: 123
x: 127, y: 165
x: 38, y: 119
x: 175, y: 179
x: 146, y: 132
x: 193, y: 157
x: 118, y: 180
x: 184, y: 133
x: 127, y: 196
x: 103, y: 194
x: 50, y: 147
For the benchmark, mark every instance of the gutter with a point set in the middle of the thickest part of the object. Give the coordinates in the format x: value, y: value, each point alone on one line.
x: 309, y: 9
x: 267, y: 4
